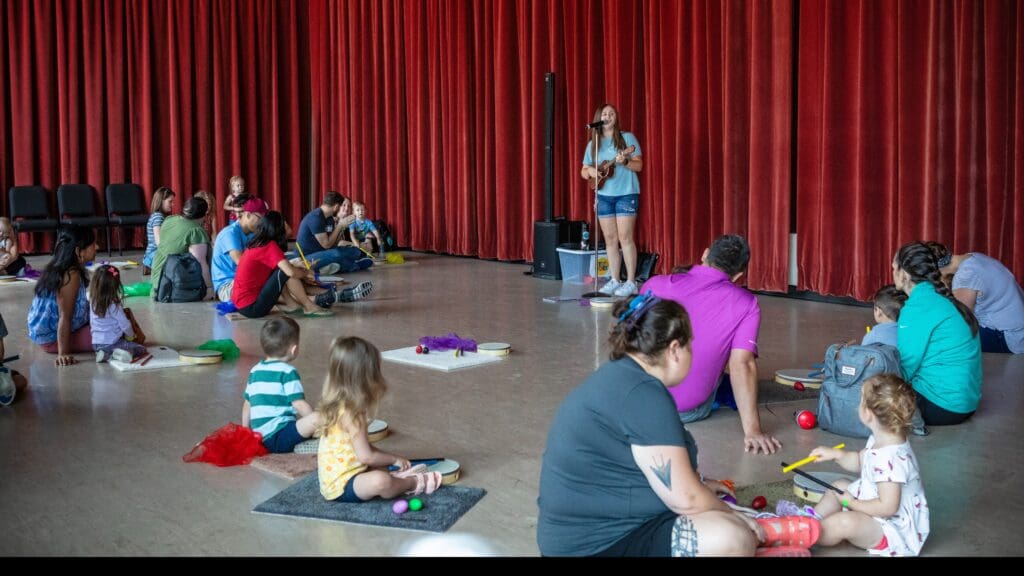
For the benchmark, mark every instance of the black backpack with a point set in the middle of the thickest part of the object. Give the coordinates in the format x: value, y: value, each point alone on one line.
x: 385, y: 234
x: 645, y: 265
x: 181, y: 280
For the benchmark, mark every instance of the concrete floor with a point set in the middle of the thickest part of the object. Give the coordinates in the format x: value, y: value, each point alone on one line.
x: 90, y: 459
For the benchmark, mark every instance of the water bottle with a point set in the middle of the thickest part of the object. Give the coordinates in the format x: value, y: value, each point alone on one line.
x: 586, y: 238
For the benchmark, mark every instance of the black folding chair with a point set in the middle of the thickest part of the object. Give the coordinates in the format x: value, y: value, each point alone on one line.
x: 29, y: 209
x: 126, y: 208
x: 76, y: 204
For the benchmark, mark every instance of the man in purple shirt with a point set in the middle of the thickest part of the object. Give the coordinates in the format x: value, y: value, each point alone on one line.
x: 725, y: 319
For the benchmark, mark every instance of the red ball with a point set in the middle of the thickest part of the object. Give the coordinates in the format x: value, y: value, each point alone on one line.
x: 419, y: 349
x: 806, y: 419
x: 798, y: 386
x: 759, y: 503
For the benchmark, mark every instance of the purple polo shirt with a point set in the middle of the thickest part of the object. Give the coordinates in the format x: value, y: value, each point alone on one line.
x: 724, y: 317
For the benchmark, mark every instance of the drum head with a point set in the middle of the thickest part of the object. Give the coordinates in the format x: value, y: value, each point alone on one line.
x: 812, y: 491
x: 603, y: 302
x: 449, y: 469
x: 494, y: 348
x: 200, y: 356
x: 376, y: 430
x: 792, y: 375
x: 7, y: 278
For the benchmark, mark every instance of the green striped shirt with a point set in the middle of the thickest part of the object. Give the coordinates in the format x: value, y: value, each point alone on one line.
x: 273, y: 386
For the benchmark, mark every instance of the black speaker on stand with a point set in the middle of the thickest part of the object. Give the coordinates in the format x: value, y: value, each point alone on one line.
x: 549, y: 232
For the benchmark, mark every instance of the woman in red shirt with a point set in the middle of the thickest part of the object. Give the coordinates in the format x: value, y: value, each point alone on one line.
x: 265, y: 277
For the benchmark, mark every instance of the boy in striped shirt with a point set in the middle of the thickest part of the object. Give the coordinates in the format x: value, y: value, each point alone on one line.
x: 274, y: 396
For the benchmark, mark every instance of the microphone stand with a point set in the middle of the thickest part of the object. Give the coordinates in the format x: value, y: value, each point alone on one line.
x: 595, y: 139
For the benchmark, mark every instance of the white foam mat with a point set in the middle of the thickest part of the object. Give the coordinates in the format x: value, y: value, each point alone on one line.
x: 163, y: 357
x: 445, y: 361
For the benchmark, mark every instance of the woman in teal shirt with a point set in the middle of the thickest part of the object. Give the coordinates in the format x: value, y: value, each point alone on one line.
x: 940, y: 352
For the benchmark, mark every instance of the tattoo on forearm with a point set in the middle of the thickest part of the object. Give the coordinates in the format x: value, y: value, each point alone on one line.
x: 663, y: 471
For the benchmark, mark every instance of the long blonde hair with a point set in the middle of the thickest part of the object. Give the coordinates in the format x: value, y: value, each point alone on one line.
x: 354, y: 384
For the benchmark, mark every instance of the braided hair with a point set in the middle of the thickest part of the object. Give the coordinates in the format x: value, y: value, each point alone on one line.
x: 919, y: 262
x: 943, y: 257
x: 648, y: 325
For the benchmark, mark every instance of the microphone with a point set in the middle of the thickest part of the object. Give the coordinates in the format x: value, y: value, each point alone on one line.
x: 597, y: 124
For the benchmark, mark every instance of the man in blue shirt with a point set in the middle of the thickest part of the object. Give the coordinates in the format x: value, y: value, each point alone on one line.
x: 321, y: 240
x: 231, y: 242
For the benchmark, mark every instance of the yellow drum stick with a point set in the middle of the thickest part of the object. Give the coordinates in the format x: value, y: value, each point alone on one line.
x: 809, y: 459
x: 364, y: 251
x: 303, y: 256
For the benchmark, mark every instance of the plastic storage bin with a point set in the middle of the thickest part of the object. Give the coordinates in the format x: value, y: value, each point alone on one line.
x: 578, y: 264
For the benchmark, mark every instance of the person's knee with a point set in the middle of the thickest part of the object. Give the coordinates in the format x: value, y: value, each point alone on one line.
x: 839, y: 525
x: 626, y: 241
x: 728, y: 536
x: 376, y: 481
x: 307, y: 425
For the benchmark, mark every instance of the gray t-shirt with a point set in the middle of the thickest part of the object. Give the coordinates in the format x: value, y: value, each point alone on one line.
x: 592, y: 493
x: 1000, y: 303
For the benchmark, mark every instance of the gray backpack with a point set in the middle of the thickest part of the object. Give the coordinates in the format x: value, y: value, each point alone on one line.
x: 846, y: 369
x: 181, y: 280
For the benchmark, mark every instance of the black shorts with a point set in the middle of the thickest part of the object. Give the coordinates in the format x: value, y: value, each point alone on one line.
x: 651, y: 539
x: 268, y: 297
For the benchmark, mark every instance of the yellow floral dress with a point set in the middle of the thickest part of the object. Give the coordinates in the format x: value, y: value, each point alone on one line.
x: 336, y: 462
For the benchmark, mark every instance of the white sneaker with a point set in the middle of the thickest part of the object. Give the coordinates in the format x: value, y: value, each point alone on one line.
x: 610, y: 287
x: 121, y: 356
x: 330, y: 269
x: 626, y: 289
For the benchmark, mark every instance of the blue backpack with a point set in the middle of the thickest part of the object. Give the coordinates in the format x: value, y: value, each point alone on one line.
x: 846, y: 369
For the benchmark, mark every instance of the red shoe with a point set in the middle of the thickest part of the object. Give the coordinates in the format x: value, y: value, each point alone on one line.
x: 799, y: 531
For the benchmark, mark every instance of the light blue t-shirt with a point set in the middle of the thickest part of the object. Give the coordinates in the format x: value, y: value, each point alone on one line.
x: 362, y: 229
x: 222, y: 267
x: 1000, y: 301
x: 624, y: 181
x: 884, y: 333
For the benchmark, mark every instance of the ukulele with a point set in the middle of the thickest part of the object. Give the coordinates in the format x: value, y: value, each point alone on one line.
x: 606, y: 169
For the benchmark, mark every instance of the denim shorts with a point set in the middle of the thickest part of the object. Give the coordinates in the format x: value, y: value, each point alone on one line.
x: 610, y: 206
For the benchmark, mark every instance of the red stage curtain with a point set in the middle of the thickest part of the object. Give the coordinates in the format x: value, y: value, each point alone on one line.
x: 431, y: 113
x: 911, y: 126
x: 182, y: 94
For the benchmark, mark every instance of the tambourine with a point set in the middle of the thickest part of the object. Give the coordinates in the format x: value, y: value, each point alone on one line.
x: 200, y: 356
x: 494, y: 348
x: 791, y: 376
